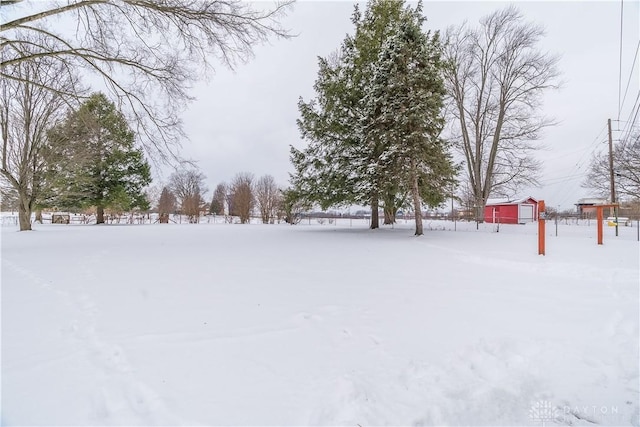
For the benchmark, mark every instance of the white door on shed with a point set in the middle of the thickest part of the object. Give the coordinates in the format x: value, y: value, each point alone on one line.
x: 525, y: 213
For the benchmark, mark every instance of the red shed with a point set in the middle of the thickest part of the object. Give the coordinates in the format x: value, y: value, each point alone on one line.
x: 511, y: 211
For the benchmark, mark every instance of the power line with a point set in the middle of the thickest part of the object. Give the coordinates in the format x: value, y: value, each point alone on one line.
x: 590, y: 149
x: 633, y: 121
x: 620, y: 67
x: 630, y: 123
x: 619, y: 121
x: 561, y: 179
x: 586, y: 155
x: 624, y: 98
x: 595, y: 140
x: 577, y: 169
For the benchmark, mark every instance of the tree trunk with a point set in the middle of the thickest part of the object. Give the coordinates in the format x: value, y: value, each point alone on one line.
x: 375, y: 220
x: 24, y: 212
x: 389, y: 210
x: 39, y: 215
x: 389, y: 216
x: 100, y: 215
x: 416, y: 203
x: 480, y: 202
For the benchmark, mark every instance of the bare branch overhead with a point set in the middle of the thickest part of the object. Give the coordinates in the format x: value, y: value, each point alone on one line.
x: 147, y: 52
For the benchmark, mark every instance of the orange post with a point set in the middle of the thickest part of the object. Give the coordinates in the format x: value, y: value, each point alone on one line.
x: 599, y: 210
x: 541, y: 227
x: 600, y: 218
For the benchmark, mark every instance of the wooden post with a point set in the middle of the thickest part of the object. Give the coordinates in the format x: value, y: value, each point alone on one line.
x: 541, y: 227
x: 599, y: 215
x: 612, y: 174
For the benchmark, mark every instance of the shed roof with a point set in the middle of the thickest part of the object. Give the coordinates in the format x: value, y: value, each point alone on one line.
x: 493, y: 202
x: 591, y: 201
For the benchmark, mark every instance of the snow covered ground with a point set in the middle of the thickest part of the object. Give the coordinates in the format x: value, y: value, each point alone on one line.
x: 220, y: 324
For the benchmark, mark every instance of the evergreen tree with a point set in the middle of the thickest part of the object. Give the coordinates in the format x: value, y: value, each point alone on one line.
x: 341, y: 163
x: 373, y: 129
x: 406, y: 101
x: 292, y: 205
x: 94, y: 161
x: 219, y: 196
x: 166, y: 205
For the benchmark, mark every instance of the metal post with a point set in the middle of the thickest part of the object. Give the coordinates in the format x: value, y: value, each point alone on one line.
x: 452, y: 217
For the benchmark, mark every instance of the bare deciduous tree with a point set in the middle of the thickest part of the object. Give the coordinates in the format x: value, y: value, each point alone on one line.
x: 626, y: 167
x: 147, y: 52
x: 192, y: 205
x: 8, y: 199
x: 267, y: 198
x: 27, y: 111
x: 188, y: 187
x: 467, y: 200
x: 152, y: 193
x: 496, y: 76
x: 242, y: 197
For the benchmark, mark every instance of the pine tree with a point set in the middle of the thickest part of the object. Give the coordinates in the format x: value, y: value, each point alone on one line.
x: 341, y: 163
x: 373, y: 130
x: 94, y: 161
x: 406, y: 101
x: 292, y: 205
x: 166, y: 205
x: 219, y: 196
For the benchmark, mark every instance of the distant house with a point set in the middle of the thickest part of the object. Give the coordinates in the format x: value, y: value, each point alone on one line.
x: 505, y: 211
x: 585, y: 207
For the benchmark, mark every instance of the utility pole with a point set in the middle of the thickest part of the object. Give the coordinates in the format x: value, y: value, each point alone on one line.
x: 453, y: 216
x: 612, y: 175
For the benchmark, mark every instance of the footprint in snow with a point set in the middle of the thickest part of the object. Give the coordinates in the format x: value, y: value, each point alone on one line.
x: 375, y: 339
x: 306, y: 317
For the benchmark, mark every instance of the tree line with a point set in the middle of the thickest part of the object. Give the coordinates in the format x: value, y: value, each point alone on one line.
x: 242, y: 197
x: 402, y: 117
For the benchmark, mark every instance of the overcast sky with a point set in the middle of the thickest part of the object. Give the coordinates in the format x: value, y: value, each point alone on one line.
x: 245, y: 120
